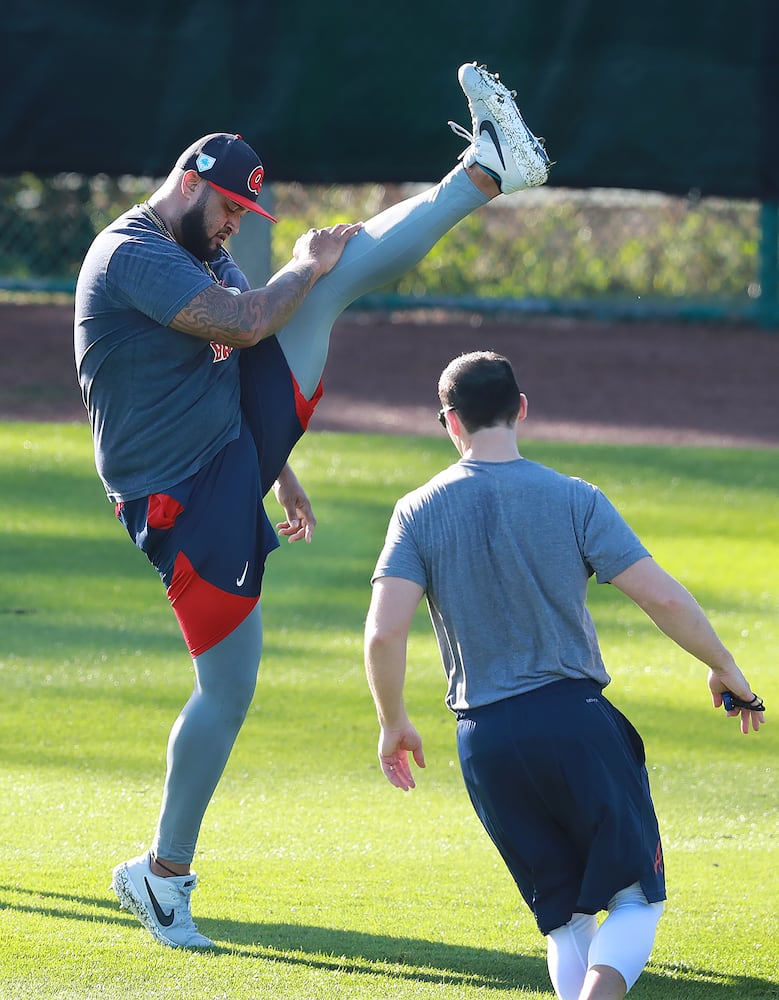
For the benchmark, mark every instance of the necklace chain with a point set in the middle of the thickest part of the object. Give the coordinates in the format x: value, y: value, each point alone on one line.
x: 156, y: 218
x: 158, y: 221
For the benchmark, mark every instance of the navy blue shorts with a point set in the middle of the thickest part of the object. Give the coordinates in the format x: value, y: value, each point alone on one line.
x: 273, y: 406
x: 209, y: 536
x: 558, y: 778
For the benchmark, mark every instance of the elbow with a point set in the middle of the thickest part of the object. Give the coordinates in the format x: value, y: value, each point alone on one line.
x: 249, y: 338
x: 382, y: 640
x: 667, y: 609
x: 663, y: 603
x: 378, y: 640
x: 249, y: 331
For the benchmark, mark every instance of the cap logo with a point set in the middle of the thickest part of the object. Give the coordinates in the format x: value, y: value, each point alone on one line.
x: 255, y: 179
x: 204, y: 162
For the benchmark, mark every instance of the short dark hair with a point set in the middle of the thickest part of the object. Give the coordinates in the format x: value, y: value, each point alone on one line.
x: 481, y: 388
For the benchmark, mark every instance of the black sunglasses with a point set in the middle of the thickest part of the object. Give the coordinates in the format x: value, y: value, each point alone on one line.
x: 442, y: 415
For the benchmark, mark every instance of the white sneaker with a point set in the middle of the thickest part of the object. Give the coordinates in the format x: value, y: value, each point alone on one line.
x: 161, y: 904
x: 500, y: 141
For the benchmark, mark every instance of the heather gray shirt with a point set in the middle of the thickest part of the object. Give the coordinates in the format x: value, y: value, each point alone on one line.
x: 161, y: 403
x: 504, y: 551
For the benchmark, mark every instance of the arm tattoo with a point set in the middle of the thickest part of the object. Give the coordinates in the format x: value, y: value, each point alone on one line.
x: 243, y: 320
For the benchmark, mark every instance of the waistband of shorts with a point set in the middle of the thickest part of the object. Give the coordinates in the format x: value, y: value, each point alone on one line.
x: 569, y: 684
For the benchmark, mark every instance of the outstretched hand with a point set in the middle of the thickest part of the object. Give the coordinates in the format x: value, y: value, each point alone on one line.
x: 394, y: 748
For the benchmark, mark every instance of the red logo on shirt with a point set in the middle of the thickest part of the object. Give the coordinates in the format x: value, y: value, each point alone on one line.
x: 221, y: 352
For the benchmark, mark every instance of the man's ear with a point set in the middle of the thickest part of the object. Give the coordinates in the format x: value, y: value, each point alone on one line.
x: 522, y: 407
x: 454, y: 422
x: 190, y: 184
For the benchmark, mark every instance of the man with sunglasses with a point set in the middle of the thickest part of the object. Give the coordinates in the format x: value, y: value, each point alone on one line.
x: 503, y: 549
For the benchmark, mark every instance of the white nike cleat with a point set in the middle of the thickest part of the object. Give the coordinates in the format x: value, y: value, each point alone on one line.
x: 161, y: 904
x: 501, y: 143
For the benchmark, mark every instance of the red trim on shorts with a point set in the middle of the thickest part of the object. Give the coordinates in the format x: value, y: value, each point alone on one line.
x: 206, y: 614
x: 305, y: 407
x: 162, y: 511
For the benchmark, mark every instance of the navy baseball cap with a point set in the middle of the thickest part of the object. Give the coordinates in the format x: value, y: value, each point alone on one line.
x: 230, y: 165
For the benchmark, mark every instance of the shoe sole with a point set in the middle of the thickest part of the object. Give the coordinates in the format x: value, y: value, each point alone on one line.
x: 525, y: 147
x: 129, y: 899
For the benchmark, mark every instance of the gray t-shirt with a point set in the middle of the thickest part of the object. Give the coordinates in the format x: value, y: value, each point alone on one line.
x: 161, y: 403
x: 504, y: 551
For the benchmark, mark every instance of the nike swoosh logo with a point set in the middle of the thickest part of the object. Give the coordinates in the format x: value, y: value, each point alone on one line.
x: 489, y: 128
x: 242, y: 577
x: 165, y: 919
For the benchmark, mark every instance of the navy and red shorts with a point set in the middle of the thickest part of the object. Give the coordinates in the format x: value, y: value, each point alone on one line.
x: 209, y: 536
x: 558, y: 778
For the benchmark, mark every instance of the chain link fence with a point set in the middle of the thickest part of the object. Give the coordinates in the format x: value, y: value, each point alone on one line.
x: 598, y: 252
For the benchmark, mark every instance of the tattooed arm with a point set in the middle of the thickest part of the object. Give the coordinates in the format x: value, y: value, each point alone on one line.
x: 243, y: 320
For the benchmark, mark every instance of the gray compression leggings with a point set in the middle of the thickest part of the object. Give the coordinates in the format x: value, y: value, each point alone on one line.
x: 389, y: 244
x: 225, y: 676
x: 203, y: 735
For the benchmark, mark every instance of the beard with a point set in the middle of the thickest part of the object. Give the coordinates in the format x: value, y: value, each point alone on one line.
x: 193, y: 235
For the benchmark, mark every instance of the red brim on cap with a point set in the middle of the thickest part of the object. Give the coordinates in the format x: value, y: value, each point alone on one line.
x: 241, y: 200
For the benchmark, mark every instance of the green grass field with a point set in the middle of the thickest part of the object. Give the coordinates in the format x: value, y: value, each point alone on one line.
x: 319, y: 880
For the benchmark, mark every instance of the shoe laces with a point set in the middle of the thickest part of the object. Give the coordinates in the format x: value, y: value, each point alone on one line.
x: 185, y: 890
x: 184, y: 919
x: 463, y: 133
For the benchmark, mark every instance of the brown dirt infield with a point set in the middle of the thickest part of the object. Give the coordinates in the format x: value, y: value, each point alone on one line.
x: 640, y: 382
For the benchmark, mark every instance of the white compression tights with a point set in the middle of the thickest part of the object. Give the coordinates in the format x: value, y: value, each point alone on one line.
x: 623, y: 942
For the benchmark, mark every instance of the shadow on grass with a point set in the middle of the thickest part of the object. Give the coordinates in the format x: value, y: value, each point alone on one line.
x: 396, y: 958
x: 385, y: 955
